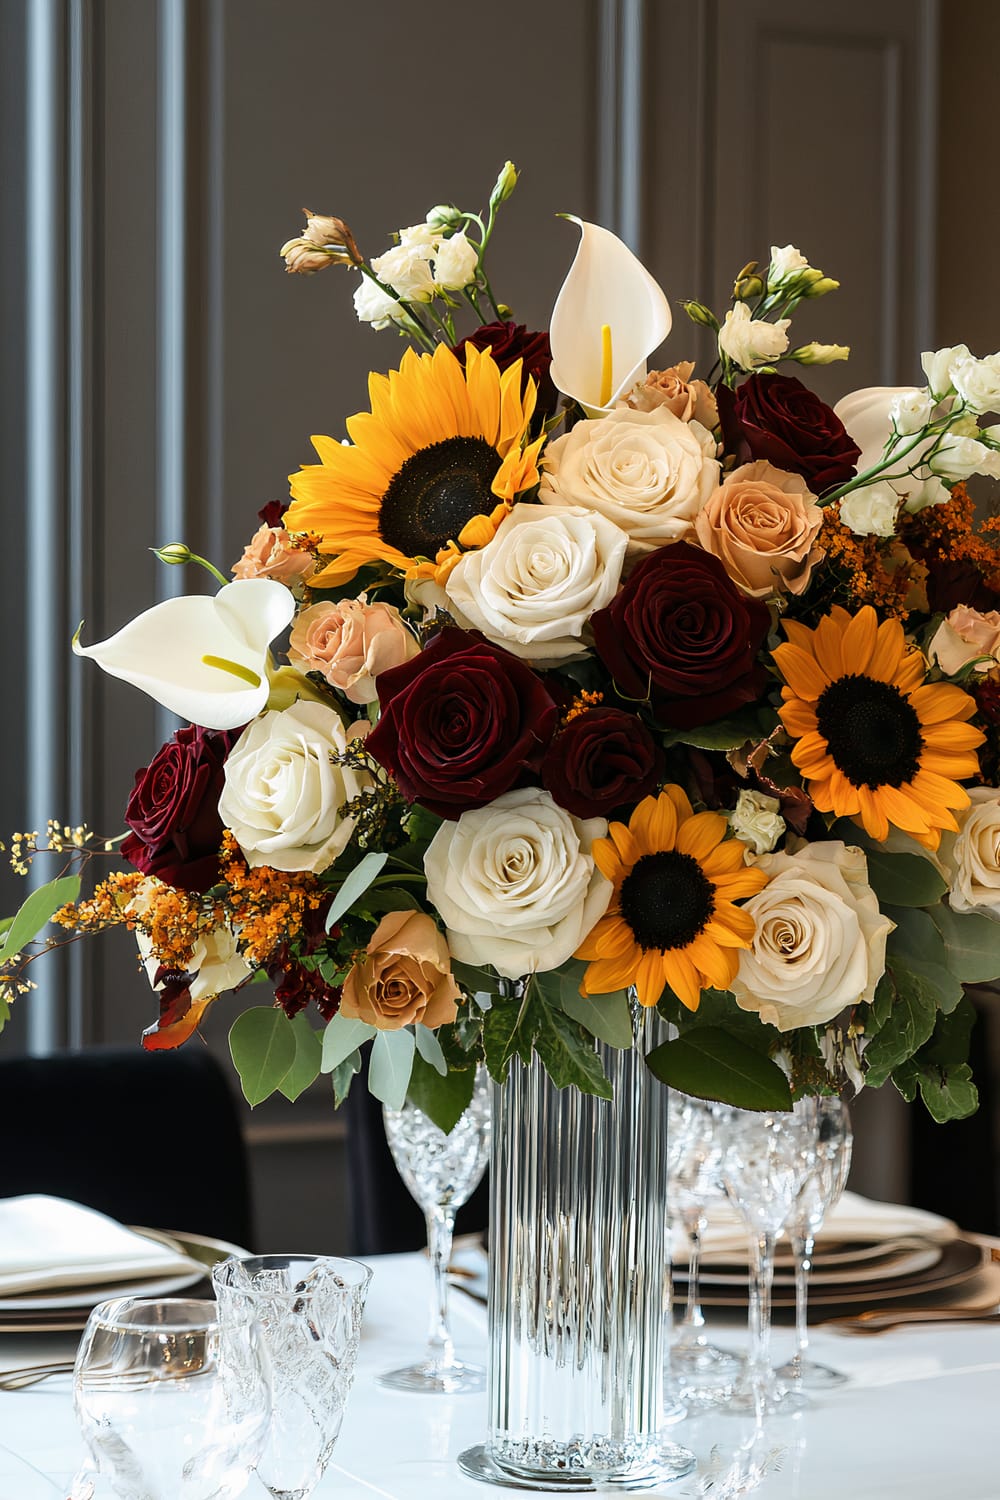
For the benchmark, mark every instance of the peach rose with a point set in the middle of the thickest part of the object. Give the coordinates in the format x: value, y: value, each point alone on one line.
x: 270, y: 553
x: 686, y: 398
x: 967, y: 636
x: 404, y: 976
x: 762, y: 525
x: 350, y: 643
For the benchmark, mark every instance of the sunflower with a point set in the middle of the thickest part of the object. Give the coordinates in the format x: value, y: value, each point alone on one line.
x: 874, y: 739
x: 436, y: 462
x: 671, y: 919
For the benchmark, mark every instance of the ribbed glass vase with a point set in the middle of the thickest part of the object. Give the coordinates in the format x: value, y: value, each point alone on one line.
x: 576, y: 1293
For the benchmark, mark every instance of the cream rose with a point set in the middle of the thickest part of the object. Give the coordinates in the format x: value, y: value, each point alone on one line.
x: 675, y: 390
x: 967, y: 636
x: 284, y: 797
x: 762, y: 525
x: 757, y: 820
x: 534, y: 587
x: 515, y: 882
x: 971, y: 858
x: 648, y: 472
x: 350, y: 643
x: 404, y: 976
x: 270, y: 553
x: 819, y: 943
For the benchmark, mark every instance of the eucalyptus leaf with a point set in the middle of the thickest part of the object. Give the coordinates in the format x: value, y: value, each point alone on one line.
x: 343, y: 1075
x: 308, y: 1057
x: 608, y: 1017
x: 711, y: 1063
x: 442, y: 1099
x: 262, y: 1045
x: 905, y: 879
x: 355, y: 884
x: 343, y: 1034
x: 36, y: 911
x: 973, y: 944
x: 390, y: 1066
x: 429, y: 1048
x: 4, y: 1013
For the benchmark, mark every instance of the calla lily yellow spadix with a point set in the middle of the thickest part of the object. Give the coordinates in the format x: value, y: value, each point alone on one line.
x: 201, y: 657
x: 609, y: 316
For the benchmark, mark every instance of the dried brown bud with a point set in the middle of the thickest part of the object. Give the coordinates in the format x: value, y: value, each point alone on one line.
x: 302, y: 258
x: 325, y: 230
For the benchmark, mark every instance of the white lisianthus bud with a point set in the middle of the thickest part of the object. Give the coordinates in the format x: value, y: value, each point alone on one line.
x: 937, y: 366
x: 405, y: 268
x: 871, y: 511
x: 820, y: 287
x: 444, y: 216
x: 757, y: 820
x: 929, y: 490
x: 786, y: 262
x: 911, y: 411
x: 749, y: 341
x: 505, y: 184
x: 991, y: 435
x: 977, y: 381
x: 959, y: 457
x: 455, y: 263
x: 820, y: 354
x: 375, y: 306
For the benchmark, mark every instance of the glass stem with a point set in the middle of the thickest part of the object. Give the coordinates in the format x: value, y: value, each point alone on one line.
x: 694, y: 1322
x: 762, y: 1247
x: 440, y: 1232
x: 802, y: 1248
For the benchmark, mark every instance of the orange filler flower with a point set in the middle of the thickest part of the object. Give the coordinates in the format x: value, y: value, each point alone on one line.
x: 875, y: 741
x: 671, y: 919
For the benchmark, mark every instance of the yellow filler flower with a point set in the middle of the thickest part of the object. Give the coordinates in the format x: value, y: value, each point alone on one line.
x: 874, y: 740
x: 434, y: 465
x: 671, y: 919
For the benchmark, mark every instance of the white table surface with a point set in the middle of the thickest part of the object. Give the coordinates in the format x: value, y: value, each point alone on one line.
x: 920, y: 1419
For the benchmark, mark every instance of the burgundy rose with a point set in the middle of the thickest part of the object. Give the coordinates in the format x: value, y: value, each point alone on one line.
x: 173, y: 811
x: 778, y: 418
x: 681, y: 635
x: 273, y: 513
x: 601, y: 761
x: 295, y: 985
x: 461, y: 723
x: 510, y: 341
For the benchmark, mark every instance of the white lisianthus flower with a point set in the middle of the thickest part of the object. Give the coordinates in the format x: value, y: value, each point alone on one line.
x: 215, y: 965
x: 819, y: 943
x: 786, y: 262
x: 375, y: 306
x: 534, y: 587
x: 750, y: 341
x: 757, y: 820
x: 455, y: 262
x: 422, y: 237
x: 971, y: 857
x: 515, y: 883
x: 911, y: 410
x: 959, y: 457
x: 937, y: 365
x: 977, y: 382
x: 407, y: 270
x: 647, y: 471
x: 284, y: 797
x: 871, y: 511
x: 923, y: 492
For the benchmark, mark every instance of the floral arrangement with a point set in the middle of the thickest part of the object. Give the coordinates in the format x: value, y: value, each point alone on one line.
x: 597, y: 683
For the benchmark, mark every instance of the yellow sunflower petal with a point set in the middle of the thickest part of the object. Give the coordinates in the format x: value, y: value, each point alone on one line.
x: 801, y: 671
x: 606, y: 975
x: 699, y: 835
x: 859, y: 640
x: 649, y: 978
x: 682, y: 977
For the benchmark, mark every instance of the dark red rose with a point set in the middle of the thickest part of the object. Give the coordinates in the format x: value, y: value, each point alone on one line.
x: 273, y: 513
x: 173, y: 811
x: 602, y: 760
x: 510, y: 341
x: 681, y: 635
x: 777, y: 418
x: 294, y: 985
x: 461, y: 723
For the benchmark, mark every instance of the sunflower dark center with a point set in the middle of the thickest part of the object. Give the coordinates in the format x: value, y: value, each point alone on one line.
x: 872, y: 731
x: 666, y: 899
x: 436, y: 492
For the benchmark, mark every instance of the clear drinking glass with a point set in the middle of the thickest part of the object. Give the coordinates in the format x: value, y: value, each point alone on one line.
x: 441, y: 1172
x: 828, y: 1122
x: 309, y: 1311
x: 172, y: 1404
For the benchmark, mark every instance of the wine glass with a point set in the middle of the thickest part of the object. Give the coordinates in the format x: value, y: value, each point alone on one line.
x: 440, y: 1171
x: 308, y: 1309
x: 172, y: 1405
x: 829, y: 1124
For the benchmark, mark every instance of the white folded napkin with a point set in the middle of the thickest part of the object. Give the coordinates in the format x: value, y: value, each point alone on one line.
x: 49, y: 1242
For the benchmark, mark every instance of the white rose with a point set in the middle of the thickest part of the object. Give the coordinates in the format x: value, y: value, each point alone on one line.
x: 820, y: 937
x: 971, y: 858
x: 534, y: 587
x: 750, y: 341
x: 786, y: 260
x: 406, y: 269
x: 977, y: 381
x: 284, y: 797
x: 647, y: 471
x: 374, y: 306
x: 215, y: 963
x: 938, y: 365
x: 911, y: 410
x: 455, y: 262
x: 871, y: 511
x: 959, y: 457
x: 515, y: 883
x: 757, y: 820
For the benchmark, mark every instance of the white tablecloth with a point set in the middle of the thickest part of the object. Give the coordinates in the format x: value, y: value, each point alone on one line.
x: 917, y: 1422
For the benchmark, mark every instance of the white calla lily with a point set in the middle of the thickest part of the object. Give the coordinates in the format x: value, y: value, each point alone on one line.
x: 609, y: 316
x: 202, y: 657
x: 867, y: 415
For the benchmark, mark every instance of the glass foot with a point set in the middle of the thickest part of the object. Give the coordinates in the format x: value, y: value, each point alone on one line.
x: 455, y: 1379
x: 773, y: 1399
x: 813, y: 1376
x: 702, y: 1375
x: 671, y: 1462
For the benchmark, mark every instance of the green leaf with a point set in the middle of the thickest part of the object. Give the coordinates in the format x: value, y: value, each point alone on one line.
x: 308, y: 1056
x: 949, y: 1093
x: 905, y: 879
x: 36, y: 912
x: 4, y: 1013
x: 719, y: 1008
x: 342, y: 1076
x: 909, y: 1024
x: 474, y: 981
x: 342, y: 1035
x: 355, y: 884
x: 608, y: 1017
x: 567, y: 1052
x: 711, y: 1063
x: 388, y: 898
x: 885, y: 995
x: 949, y: 1044
x: 390, y: 1065
x: 508, y: 1030
x: 915, y: 937
x: 442, y: 1099
x: 423, y: 825
x: 973, y: 944
x: 429, y: 1048
x: 262, y: 1044
x: 726, y: 734
x: 948, y: 991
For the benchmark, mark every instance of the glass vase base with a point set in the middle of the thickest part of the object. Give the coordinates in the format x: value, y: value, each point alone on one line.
x: 456, y: 1379
x: 668, y: 1461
